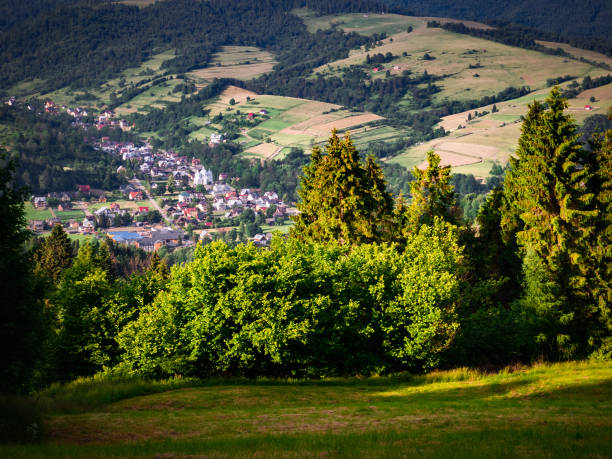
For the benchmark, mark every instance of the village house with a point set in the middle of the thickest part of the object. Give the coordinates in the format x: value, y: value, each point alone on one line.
x: 37, y: 225
x: 64, y: 206
x: 135, y: 195
x: 40, y: 202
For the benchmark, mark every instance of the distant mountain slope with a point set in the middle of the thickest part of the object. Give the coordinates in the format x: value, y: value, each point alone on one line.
x: 586, y: 18
x: 13, y: 12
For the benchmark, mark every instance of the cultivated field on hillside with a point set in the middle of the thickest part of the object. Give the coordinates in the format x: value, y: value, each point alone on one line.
x: 290, y: 122
x: 560, y: 410
x: 154, y: 95
x: 484, y: 140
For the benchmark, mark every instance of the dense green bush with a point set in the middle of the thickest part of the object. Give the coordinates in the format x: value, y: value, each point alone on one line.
x: 302, y: 310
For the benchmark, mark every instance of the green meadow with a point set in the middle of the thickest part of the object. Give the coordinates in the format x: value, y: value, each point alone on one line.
x: 547, y: 410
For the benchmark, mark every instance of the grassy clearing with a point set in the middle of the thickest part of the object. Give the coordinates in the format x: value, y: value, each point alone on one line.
x: 283, y: 229
x: 494, y: 66
x: 74, y: 214
x: 154, y: 96
x: 559, y: 410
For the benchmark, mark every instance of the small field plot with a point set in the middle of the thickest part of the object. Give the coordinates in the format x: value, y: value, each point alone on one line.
x: 32, y: 213
x: 549, y: 410
x: 74, y: 214
x: 240, y: 62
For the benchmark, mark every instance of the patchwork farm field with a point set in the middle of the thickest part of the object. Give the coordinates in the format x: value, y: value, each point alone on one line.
x: 291, y: 122
x: 555, y: 411
x: 492, y: 138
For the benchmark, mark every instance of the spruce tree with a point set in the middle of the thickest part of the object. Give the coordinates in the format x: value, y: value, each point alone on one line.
x: 54, y: 255
x: 343, y: 199
x: 551, y: 212
x: 432, y: 195
x: 21, y: 316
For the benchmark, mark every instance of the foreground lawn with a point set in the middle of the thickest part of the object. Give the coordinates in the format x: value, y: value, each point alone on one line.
x: 562, y: 410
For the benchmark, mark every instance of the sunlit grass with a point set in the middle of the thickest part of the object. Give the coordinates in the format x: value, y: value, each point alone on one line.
x: 559, y: 410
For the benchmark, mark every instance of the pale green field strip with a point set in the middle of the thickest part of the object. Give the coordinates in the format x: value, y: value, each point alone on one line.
x: 32, y: 213
x: 240, y: 62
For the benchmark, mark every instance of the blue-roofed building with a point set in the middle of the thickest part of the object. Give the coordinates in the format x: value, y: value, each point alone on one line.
x: 124, y: 237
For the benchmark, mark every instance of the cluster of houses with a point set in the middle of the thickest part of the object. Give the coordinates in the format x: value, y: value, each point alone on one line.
x: 106, y: 118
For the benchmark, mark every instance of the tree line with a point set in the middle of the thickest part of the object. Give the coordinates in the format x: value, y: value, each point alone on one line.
x: 362, y: 285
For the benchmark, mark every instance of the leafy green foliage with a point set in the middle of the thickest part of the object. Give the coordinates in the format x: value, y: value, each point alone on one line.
x: 302, y: 309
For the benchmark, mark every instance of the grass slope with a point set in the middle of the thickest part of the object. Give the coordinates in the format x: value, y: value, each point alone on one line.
x: 560, y: 410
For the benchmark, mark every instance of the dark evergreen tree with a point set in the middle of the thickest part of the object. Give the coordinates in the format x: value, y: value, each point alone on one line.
x: 54, y: 255
x: 432, y: 195
x: 551, y: 211
x: 342, y: 199
x: 21, y: 317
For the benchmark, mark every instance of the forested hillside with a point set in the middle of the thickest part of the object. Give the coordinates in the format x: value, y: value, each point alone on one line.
x: 84, y: 44
x: 53, y: 154
x: 588, y: 18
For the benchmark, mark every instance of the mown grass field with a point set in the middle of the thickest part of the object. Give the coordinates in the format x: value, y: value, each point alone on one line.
x: 555, y: 411
x: 32, y: 213
x: 241, y: 62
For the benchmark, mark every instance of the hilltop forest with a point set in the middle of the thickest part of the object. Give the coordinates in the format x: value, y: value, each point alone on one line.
x: 363, y: 284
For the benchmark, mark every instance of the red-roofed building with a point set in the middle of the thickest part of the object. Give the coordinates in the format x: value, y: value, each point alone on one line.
x: 190, y: 212
x: 135, y: 195
x: 143, y: 209
x: 84, y: 188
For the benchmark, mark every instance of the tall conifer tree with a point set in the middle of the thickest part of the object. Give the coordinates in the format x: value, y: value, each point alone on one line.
x: 551, y: 211
x: 342, y: 199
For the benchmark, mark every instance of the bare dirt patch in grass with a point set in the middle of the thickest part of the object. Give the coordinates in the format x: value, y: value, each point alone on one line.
x: 236, y: 93
x: 264, y: 150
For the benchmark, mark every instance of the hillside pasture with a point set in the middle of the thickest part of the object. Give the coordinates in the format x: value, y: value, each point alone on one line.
x: 153, y: 96
x: 548, y: 410
x: 577, y: 52
x: 240, y: 62
x: 494, y: 66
